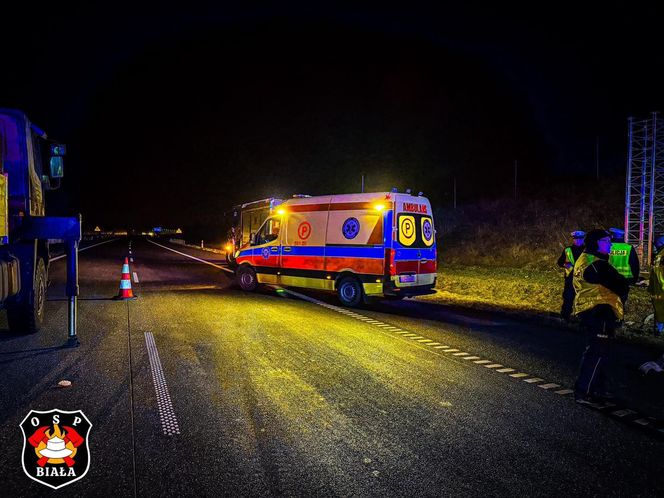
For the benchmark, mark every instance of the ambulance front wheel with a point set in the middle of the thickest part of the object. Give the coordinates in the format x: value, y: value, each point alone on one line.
x: 350, y: 291
x: 246, y: 277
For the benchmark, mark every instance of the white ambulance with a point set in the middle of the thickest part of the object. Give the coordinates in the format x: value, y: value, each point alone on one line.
x: 357, y: 245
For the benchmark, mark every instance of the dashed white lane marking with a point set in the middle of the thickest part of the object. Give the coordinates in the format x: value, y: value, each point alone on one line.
x: 81, y: 249
x: 497, y: 367
x: 194, y: 257
x: 135, y: 277
x: 131, y: 260
x: 642, y: 421
x: 623, y: 413
x: 169, y: 422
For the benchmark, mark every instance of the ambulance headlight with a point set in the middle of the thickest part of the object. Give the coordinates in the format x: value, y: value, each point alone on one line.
x: 281, y: 211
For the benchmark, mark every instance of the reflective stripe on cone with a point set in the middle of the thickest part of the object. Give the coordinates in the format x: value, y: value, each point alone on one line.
x: 125, y: 283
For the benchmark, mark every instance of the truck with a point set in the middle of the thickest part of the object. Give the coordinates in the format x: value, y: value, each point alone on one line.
x: 361, y: 246
x: 246, y: 218
x: 30, y: 164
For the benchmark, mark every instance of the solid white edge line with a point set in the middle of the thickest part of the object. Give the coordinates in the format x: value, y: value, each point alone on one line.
x: 190, y: 256
x: 82, y: 249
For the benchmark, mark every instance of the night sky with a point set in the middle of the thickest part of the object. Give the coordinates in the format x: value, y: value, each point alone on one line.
x: 172, y: 115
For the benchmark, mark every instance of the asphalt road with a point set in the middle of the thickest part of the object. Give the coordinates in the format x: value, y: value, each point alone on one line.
x: 265, y: 393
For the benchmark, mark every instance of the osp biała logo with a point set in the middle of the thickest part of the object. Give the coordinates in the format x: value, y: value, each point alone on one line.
x: 56, y: 451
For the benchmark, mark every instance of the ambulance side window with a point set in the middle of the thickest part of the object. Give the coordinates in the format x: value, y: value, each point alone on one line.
x: 268, y: 232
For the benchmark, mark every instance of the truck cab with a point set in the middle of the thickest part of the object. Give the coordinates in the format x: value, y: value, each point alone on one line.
x: 30, y: 164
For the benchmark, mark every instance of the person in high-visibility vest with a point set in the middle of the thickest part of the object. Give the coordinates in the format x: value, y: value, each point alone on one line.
x: 656, y: 286
x: 599, y: 307
x: 623, y: 257
x: 566, y: 261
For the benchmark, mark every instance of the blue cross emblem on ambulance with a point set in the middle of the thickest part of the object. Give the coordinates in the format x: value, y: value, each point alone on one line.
x: 426, y: 228
x: 266, y: 253
x: 351, y: 228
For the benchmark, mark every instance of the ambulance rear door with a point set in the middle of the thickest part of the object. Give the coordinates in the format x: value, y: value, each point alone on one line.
x: 415, y: 243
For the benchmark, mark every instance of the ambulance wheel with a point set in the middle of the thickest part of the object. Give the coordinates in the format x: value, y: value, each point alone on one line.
x: 27, y: 316
x: 246, y: 278
x: 350, y: 291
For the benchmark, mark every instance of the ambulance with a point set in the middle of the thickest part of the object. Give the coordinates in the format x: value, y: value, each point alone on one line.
x: 358, y: 245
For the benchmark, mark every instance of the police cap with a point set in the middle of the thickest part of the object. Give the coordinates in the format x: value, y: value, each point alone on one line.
x: 617, y: 233
x: 578, y: 234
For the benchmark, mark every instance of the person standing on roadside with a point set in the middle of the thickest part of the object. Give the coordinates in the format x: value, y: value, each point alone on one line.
x: 566, y: 261
x: 623, y: 257
x: 656, y: 286
x: 598, y: 305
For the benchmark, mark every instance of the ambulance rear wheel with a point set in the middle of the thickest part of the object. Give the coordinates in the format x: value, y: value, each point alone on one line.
x: 350, y: 291
x: 246, y: 278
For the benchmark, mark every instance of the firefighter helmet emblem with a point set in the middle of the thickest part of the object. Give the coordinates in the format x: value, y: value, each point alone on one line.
x: 55, y: 446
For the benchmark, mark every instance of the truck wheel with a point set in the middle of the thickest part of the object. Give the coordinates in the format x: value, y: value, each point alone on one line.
x: 27, y: 316
x: 350, y: 291
x: 246, y: 278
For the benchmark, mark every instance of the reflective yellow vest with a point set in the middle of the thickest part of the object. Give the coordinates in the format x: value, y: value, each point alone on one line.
x: 656, y: 284
x: 619, y: 258
x: 569, y: 256
x: 590, y: 295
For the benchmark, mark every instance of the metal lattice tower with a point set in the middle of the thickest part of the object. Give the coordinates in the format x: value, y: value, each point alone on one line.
x: 644, y: 194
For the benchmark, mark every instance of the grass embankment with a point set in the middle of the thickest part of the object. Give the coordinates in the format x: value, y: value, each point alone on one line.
x: 518, y: 290
x: 501, y: 255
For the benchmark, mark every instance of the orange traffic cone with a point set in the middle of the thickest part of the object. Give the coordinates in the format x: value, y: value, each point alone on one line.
x: 125, y: 283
